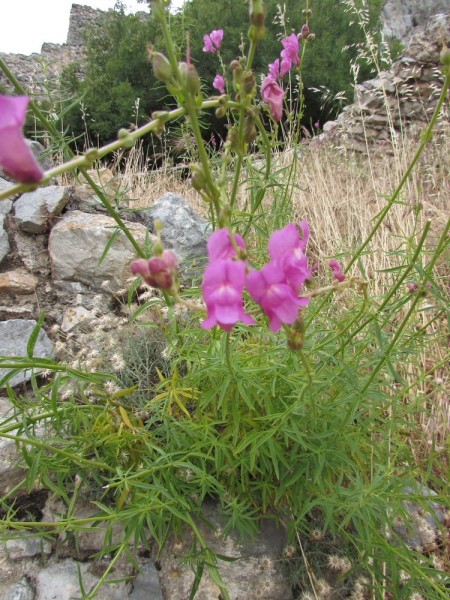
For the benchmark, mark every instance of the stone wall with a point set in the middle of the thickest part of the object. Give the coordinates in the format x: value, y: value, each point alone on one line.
x: 48, y: 64
x: 406, y: 94
x: 401, y: 17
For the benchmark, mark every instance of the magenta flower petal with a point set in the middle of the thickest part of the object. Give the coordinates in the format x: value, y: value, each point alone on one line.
x: 212, y: 41
x: 336, y: 270
x: 16, y: 158
x: 277, y: 298
x: 273, y: 95
x: 219, y: 245
x: 222, y: 287
x: 287, y: 249
x: 219, y: 83
x: 290, y: 49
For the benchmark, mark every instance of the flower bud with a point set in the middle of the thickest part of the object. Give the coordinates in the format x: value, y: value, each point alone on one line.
x: 157, y: 271
x: 249, y: 84
x: 445, y: 57
x: 221, y: 111
x: 304, y: 31
x: 198, y: 178
x: 160, y: 64
x: 257, y: 17
x: 190, y: 78
x: 311, y: 37
x: 124, y: 136
x: 249, y: 127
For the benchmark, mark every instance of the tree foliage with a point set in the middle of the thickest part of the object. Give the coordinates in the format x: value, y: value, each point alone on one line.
x: 118, y: 71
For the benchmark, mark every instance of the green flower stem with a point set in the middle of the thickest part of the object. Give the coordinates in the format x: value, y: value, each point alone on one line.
x: 160, y: 15
x: 46, y: 446
x: 393, y: 290
x: 214, y: 193
x: 425, y: 138
x: 46, y: 415
x: 443, y: 241
x: 241, y: 143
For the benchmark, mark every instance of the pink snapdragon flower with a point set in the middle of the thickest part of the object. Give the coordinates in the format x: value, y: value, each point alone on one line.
x: 279, y: 68
x: 290, y: 49
x: 222, y: 288
x: 219, y: 245
x: 287, y: 250
x: 16, y: 158
x: 268, y: 287
x: 219, y: 83
x: 212, y: 41
x: 273, y: 95
x: 336, y: 270
x: 157, y: 271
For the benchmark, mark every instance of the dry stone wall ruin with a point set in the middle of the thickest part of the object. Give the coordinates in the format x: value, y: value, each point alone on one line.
x: 404, y: 95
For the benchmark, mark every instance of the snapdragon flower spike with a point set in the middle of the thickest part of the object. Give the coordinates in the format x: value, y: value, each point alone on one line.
x: 16, y: 158
x: 219, y: 245
x: 287, y: 249
x: 290, y: 49
x: 219, y: 83
x: 157, y: 271
x: 273, y: 95
x: 212, y: 41
x: 336, y: 270
x: 222, y: 288
x: 268, y: 287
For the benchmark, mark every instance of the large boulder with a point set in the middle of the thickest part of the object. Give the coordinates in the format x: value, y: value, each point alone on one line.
x: 76, y: 245
x: 184, y: 231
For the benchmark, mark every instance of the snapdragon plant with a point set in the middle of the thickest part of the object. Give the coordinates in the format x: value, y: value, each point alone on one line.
x: 285, y: 396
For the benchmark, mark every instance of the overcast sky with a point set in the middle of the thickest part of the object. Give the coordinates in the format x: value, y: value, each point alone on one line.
x: 26, y: 24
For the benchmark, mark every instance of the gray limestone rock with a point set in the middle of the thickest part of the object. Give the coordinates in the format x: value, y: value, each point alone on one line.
x: 14, y: 336
x: 4, y: 241
x: 422, y: 525
x: 60, y: 581
x: 5, y: 204
x: 184, y: 231
x: 76, y: 245
x: 18, y: 590
x: 18, y: 549
x: 257, y: 571
x: 35, y: 210
x: 146, y: 585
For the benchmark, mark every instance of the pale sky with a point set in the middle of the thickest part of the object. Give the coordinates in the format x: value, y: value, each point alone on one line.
x: 26, y: 24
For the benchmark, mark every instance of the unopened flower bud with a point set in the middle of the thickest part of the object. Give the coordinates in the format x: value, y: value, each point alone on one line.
x: 221, y: 111
x: 257, y: 13
x: 232, y: 140
x: 249, y: 84
x: 249, y: 127
x: 161, y: 115
x: 198, y: 178
x: 295, y: 340
x: 190, y: 78
x: 311, y: 37
x: 304, y: 31
x: 124, y: 136
x: 157, y: 271
x: 445, y: 56
x: 160, y: 65
x: 336, y: 270
x: 307, y: 12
